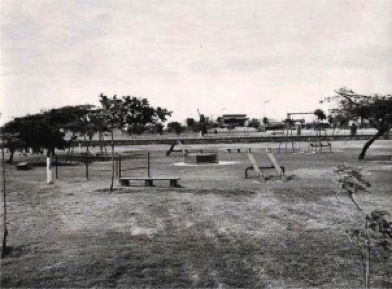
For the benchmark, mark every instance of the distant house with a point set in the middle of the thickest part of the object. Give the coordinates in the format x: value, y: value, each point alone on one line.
x: 234, y: 119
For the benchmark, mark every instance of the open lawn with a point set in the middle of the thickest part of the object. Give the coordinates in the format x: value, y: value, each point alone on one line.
x: 219, y: 230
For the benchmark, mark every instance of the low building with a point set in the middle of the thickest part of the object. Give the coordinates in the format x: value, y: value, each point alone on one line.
x: 234, y: 119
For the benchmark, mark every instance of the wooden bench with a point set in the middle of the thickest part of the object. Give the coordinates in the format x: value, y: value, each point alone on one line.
x: 149, y: 181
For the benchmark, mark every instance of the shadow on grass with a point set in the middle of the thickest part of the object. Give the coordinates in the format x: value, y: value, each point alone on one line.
x: 203, y: 191
x: 197, y: 256
x: 302, y: 194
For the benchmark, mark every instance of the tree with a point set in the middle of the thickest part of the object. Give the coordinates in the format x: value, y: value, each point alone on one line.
x: 12, y: 143
x: 254, y: 123
x: 190, y: 122
x: 376, y: 108
x: 175, y: 127
x: 5, y: 248
x: 377, y: 229
x: 136, y: 129
x: 158, y: 128
x: 122, y: 113
x: 46, y: 130
x: 320, y: 114
x: 265, y: 121
x: 37, y: 132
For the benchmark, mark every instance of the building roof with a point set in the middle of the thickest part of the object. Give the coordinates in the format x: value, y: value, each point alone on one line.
x: 235, y: 116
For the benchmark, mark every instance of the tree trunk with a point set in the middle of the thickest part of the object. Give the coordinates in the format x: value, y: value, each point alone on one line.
x: 369, y: 143
x: 11, y: 157
x: 5, y: 233
x: 111, y: 184
x: 100, y: 142
x: 86, y: 160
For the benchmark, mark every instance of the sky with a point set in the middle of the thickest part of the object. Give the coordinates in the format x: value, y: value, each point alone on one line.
x: 218, y: 56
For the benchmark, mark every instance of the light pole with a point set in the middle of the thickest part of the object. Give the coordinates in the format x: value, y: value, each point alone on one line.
x: 264, y: 106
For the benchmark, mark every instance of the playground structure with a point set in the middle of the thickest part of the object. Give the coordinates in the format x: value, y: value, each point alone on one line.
x: 203, y: 157
x: 260, y: 170
x: 315, y: 142
x: 173, y: 150
x: 198, y: 157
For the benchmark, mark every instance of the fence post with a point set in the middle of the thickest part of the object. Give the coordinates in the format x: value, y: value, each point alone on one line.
x: 116, y: 165
x: 49, y: 171
x: 56, y: 167
x: 148, y: 165
x: 119, y: 166
x: 86, y: 159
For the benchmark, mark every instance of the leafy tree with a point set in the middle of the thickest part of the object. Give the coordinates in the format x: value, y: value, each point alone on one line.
x: 190, y: 122
x: 254, y: 123
x: 377, y: 229
x: 377, y: 109
x: 12, y: 143
x: 136, y: 129
x: 175, y: 127
x: 158, y: 128
x: 120, y: 113
x: 320, y: 114
x: 265, y: 121
x: 37, y: 132
x: 289, y: 122
x: 202, y: 118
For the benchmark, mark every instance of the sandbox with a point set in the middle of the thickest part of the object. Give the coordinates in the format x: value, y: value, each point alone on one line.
x: 196, y: 158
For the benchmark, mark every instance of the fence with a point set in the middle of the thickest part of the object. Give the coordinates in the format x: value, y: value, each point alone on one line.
x: 98, y: 167
x: 122, y: 163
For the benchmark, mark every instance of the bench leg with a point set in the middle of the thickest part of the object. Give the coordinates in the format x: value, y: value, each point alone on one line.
x: 124, y: 182
x: 173, y: 184
x: 148, y: 183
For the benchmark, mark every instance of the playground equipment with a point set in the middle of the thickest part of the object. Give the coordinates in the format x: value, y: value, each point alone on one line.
x: 260, y: 170
x: 200, y: 157
x: 296, y: 139
x: 319, y: 141
x: 173, y: 150
x: 148, y: 180
x: 288, y: 134
x: 315, y: 142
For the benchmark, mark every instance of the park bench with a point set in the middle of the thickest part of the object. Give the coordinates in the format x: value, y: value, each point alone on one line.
x: 149, y: 181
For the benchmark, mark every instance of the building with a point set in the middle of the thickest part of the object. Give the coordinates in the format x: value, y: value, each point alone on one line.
x: 234, y: 119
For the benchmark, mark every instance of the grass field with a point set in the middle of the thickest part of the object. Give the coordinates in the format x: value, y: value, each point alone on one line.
x: 218, y: 231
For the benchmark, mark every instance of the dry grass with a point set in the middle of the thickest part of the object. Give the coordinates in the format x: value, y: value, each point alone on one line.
x: 219, y: 231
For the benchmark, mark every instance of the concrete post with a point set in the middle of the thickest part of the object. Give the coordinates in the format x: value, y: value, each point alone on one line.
x: 49, y: 171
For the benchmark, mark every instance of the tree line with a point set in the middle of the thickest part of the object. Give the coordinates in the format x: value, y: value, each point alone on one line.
x: 45, y: 131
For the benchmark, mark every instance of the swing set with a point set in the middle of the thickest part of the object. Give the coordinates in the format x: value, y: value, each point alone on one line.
x: 315, y: 142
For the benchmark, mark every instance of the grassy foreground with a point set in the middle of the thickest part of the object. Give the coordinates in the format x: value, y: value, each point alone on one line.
x: 243, y: 234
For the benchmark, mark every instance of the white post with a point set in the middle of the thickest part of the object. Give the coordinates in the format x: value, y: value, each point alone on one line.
x: 49, y: 171
x: 80, y: 148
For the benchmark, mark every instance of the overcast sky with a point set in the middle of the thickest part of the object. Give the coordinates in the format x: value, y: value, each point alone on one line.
x: 221, y: 56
